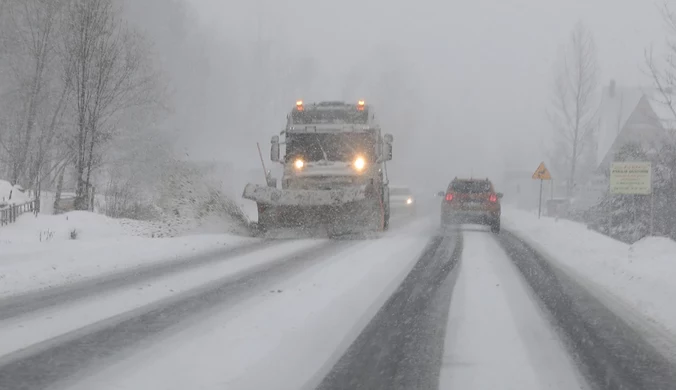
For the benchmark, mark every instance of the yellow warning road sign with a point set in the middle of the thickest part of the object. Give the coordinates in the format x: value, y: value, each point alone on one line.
x: 542, y: 173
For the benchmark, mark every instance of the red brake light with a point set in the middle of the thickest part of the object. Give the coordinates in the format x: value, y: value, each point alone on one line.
x: 493, y: 198
x: 449, y: 197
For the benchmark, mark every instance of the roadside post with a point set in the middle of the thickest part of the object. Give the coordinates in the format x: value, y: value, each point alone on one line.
x: 633, y: 178
x: 265, y: 172
x: 542, y: 174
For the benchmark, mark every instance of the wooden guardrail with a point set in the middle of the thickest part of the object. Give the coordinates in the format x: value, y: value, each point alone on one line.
x: 9, y: 213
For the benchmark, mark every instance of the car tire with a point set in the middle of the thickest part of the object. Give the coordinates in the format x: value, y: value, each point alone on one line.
x: 495, y: 227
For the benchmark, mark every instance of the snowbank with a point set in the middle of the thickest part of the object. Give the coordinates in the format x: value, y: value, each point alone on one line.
x: 17, y: 194
x: 87, y: 226
x: 29, y: 228
x: 660, y: 249
x: 51, y: 250
x: 80, y: 225
x: 641, y: 276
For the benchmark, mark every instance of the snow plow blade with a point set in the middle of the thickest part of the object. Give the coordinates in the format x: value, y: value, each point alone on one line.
x: 339, y: 211
x: 271, y: 196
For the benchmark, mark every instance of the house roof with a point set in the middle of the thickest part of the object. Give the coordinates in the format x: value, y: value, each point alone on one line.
x: 663, y: 112
x: 616, y: 108
x: 639, y: 108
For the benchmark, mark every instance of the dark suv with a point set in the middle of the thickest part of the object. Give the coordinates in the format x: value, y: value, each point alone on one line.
x: 471, y: 201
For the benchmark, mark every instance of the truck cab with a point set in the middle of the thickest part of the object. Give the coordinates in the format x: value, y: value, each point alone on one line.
x: 331, y: 145
x: 334, y: 160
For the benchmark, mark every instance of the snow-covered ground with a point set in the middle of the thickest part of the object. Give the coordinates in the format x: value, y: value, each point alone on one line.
x: 301, y: 303
x: 284, y: 339
x: 39, y: 252
x: 43, y: 325
x: 17, y: 194
x: 86, y: 226
x: 635, y: 278
x: 522, y: 352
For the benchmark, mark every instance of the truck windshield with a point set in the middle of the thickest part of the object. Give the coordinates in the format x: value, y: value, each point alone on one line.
x: 329, y: 116
x: 338, y: 147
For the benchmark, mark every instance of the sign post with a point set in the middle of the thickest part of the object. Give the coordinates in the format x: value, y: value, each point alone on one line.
x: 652, y: 214
x: 633, y: 178
x: 542, y: 174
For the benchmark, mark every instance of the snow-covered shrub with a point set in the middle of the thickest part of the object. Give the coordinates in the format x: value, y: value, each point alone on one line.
x: 126, y: 199
x: 628, y: 217
x: 188, y: 196
x: 46, y: 235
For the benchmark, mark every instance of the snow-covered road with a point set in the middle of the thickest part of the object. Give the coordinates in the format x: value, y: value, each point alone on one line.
x: 102, y: 306
x: 497, y: 337
x: 415, y: 308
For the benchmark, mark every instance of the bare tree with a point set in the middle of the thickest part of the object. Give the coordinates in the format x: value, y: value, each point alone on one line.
x: 106, y: 70
x: 31, y: 44
x: 663, y: 73
x: 573, y: 111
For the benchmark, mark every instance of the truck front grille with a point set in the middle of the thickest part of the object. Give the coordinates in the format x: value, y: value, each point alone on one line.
x: 322, y: 182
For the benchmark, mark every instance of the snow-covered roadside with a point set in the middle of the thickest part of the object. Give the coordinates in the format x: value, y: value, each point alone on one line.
x: 641, y: 275
x: 47, y: 229
x: 265, y: 341
x: 86, y: 226
x: 102, y: 308
x: 39, y: 253
x: 69, y: 262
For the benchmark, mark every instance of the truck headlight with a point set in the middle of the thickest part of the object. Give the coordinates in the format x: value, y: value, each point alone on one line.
x: 299, y: 164
x: 409, y: 201
x: 359, y: 163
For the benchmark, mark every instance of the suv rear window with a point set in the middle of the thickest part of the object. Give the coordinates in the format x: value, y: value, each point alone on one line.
x: 470, y: 186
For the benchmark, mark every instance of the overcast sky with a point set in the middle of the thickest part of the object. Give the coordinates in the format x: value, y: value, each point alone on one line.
x: 486, y: 65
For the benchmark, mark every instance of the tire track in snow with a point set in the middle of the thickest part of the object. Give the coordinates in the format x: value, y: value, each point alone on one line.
x: 497, y: 336
x: 608, y: 351
x: 400, y: 348
x: 43, y: 365
x: 33, y: 301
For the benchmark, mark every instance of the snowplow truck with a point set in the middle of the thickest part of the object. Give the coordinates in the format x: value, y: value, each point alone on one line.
x: 334, y: 172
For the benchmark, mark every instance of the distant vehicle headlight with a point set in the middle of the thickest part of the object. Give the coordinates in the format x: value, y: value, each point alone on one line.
x: 409, y: 201
x: 299, y: 164
x: 359, y: 163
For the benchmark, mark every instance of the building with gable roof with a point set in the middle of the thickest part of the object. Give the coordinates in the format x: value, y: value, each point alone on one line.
x: 626, y: 115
